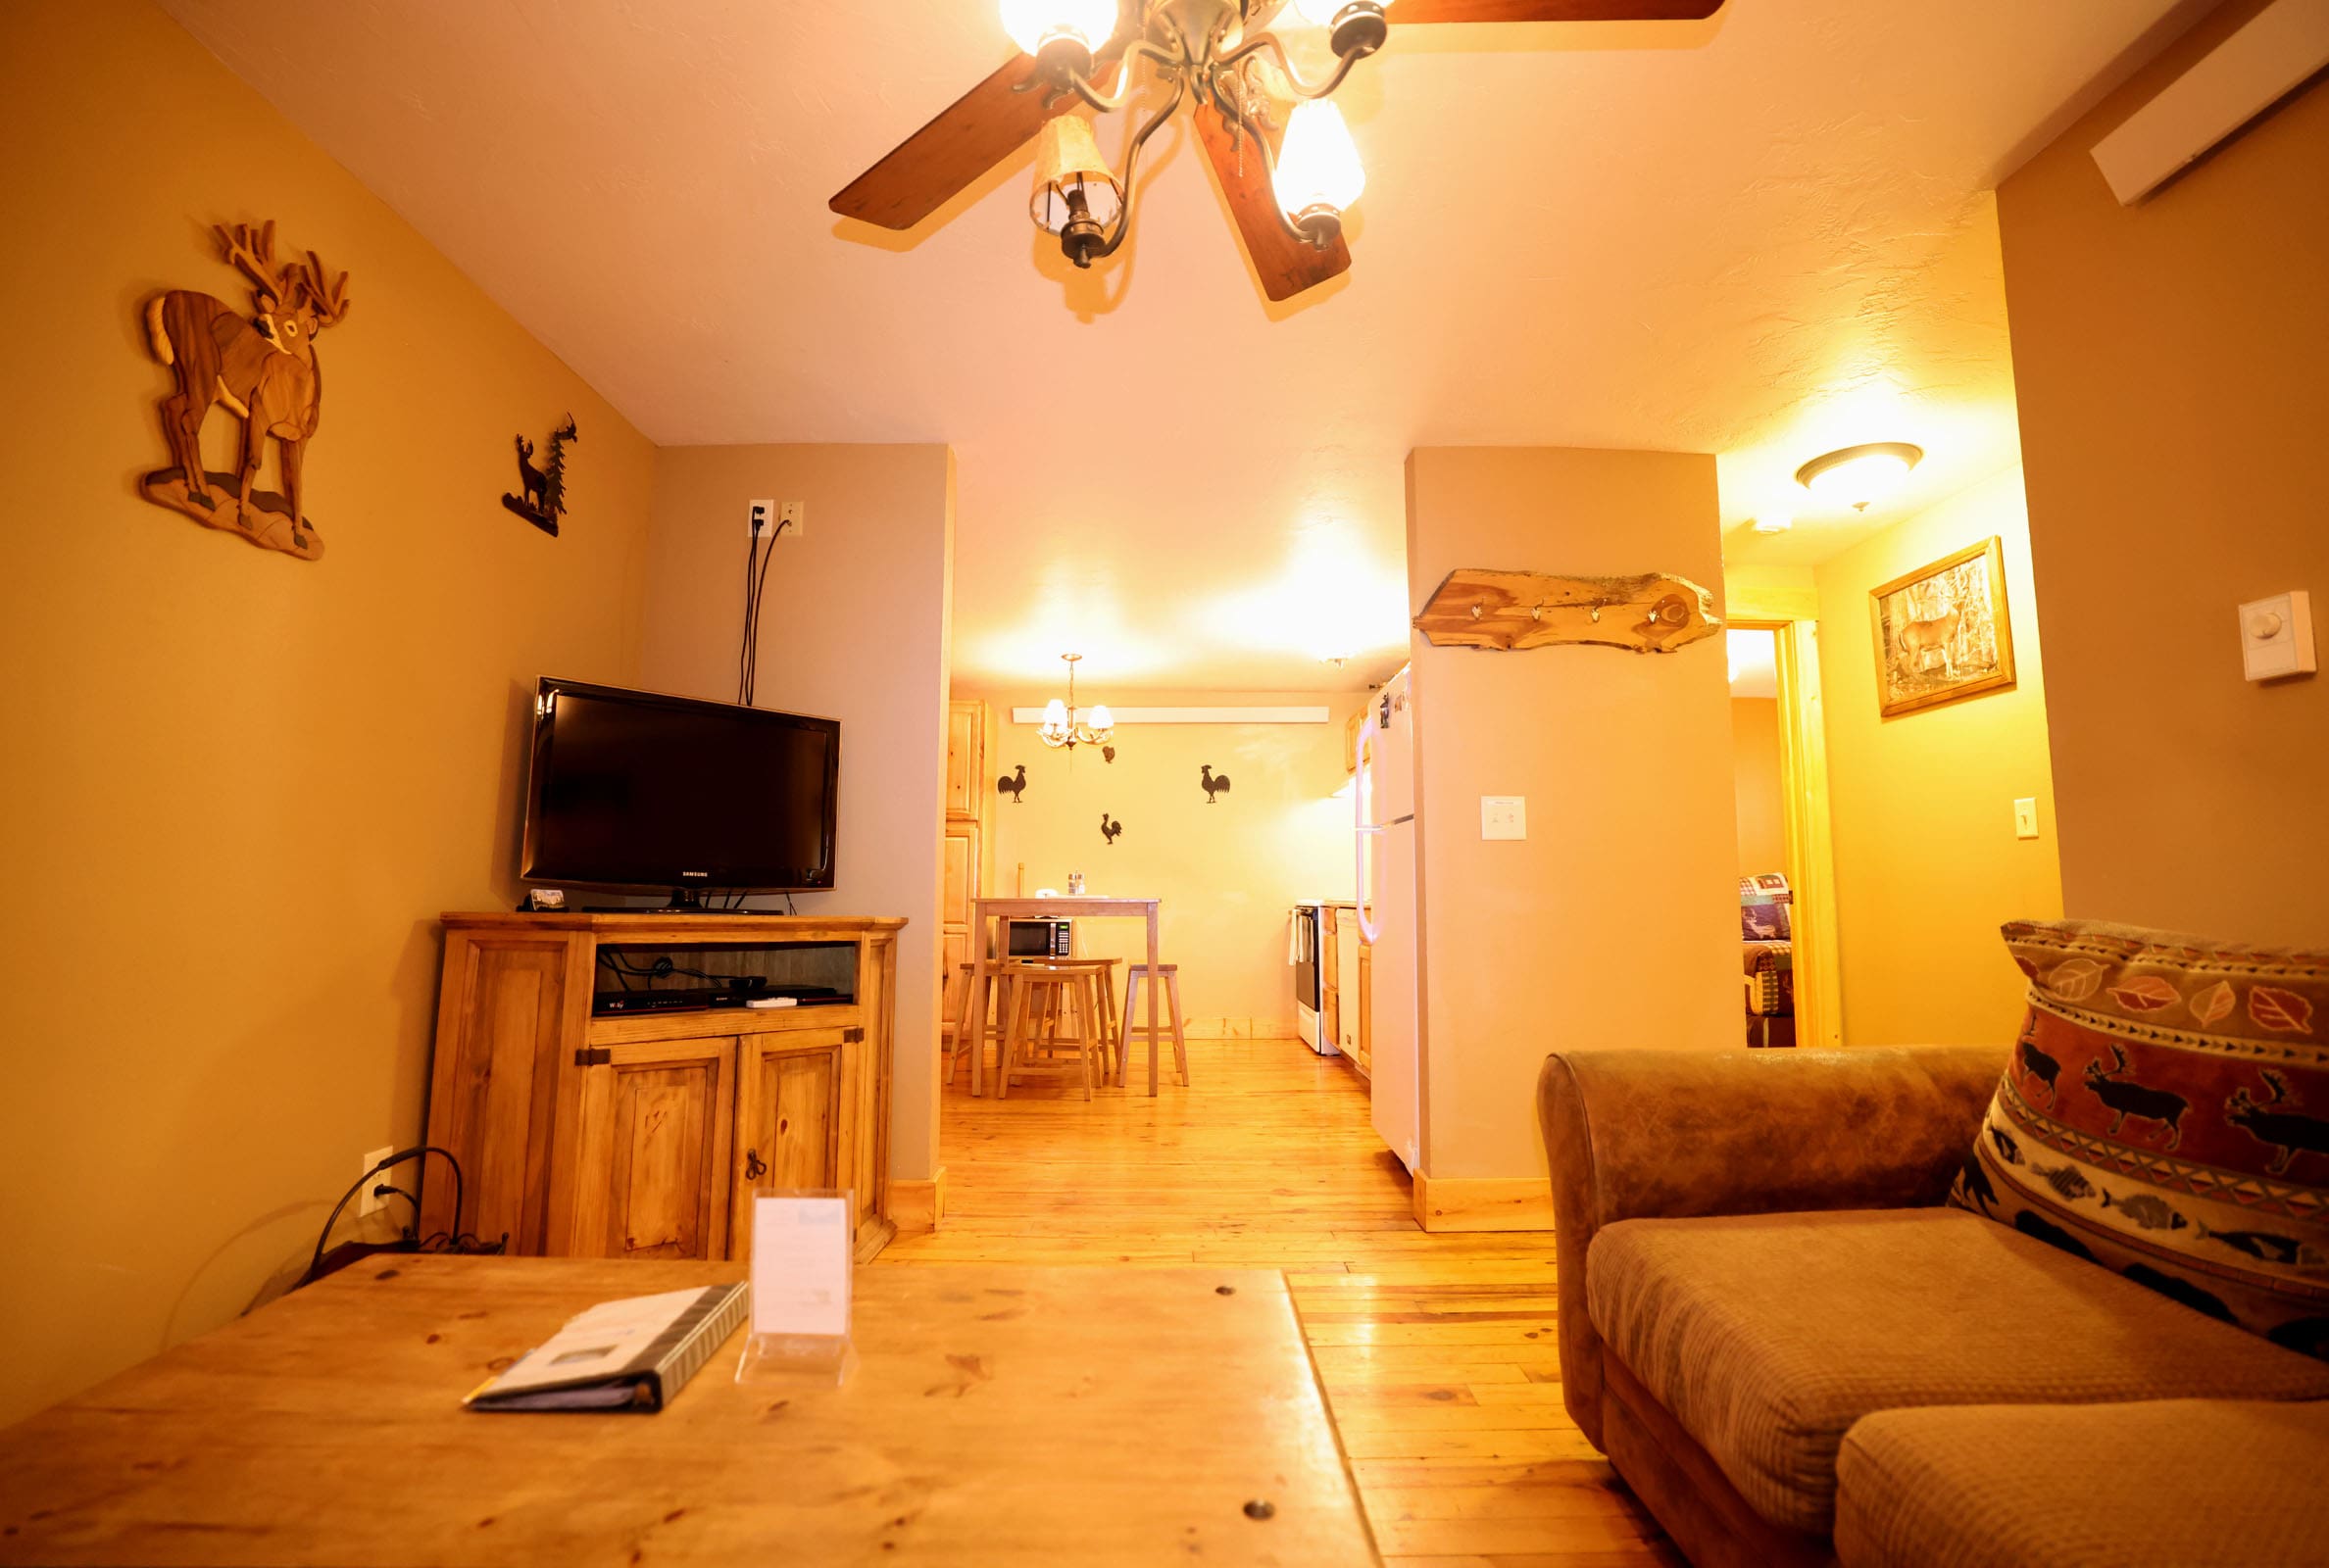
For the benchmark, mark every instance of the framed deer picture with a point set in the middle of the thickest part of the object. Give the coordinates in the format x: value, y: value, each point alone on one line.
x: 1941, y: 631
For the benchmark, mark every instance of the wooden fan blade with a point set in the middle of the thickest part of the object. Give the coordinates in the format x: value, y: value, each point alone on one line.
x: 970, y: 136
x: 1287, y: 265
x: 1409, y: 12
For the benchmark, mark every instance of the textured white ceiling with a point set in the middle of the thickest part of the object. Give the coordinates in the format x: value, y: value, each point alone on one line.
x: 1761, y: 236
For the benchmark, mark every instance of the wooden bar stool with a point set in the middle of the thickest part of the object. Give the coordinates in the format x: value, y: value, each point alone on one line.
x: 1041, y: 995
x: 1133, y: 976
x: 992, y: 1010
x: 1103, y: 975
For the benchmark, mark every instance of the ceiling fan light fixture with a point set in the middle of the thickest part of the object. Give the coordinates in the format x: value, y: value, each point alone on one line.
x: 1860, y: 476
x: 1077, y: 196
x: 1354, y: 26
x: 1060, y: 28
x: 1318, y: 174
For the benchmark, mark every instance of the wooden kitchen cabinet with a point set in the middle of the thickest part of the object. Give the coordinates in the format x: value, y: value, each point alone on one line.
x: 639, y: 1135
x: 965, y: 759
x: 1362, y: 1049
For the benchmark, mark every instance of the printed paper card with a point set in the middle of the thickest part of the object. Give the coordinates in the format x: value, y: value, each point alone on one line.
x: 801, y: 1249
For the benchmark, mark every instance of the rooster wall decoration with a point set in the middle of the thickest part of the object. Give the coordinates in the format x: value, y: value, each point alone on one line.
x: 1211, y: 782
x: 1108, y: 830
x: 262, y: 367
x: 1014, y: 784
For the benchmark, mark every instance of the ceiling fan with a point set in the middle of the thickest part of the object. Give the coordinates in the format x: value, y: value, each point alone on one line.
x: 1288, y: 190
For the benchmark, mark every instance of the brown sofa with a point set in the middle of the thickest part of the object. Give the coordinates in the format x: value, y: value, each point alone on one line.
x: 1793, y: 1353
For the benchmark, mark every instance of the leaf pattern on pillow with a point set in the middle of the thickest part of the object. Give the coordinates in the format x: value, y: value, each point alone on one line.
x: 2283, y: 1011
x: 2146, y: 993
x: 2213, y: 1003
x: 2073, y: 979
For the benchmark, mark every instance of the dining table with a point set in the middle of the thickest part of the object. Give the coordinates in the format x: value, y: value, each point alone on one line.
x: 987, y: 937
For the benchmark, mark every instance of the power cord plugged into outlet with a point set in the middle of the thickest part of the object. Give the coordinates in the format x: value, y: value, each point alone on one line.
x: 756, y: 582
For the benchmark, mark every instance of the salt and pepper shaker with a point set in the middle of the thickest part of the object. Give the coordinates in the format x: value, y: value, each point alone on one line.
x: 1074, y: 884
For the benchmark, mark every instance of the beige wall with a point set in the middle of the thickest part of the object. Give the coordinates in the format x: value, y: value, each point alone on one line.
x: 1927, y: 864
x: 2168, y: 360
x: 1616, y: 920
x: 1755, y: 785
x: 239, y: 788
x: 854, y: 626
x: 1229, y: 873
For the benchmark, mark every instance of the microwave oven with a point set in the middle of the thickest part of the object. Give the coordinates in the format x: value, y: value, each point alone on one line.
x: 1039, y: 939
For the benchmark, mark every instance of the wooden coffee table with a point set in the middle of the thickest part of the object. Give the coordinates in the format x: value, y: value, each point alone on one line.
x: 999, y: 1414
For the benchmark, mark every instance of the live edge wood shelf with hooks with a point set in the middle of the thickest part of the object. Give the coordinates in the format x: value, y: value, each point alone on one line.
x: 639, y: 1135
x: 1656, y: 613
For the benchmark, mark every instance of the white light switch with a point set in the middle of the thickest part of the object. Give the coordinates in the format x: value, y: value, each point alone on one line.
x: 2276, y: 637
x: 2025, y: 817
x: 1503, y: 816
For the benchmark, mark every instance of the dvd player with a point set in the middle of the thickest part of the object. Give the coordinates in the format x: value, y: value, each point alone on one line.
x: 699, y: 998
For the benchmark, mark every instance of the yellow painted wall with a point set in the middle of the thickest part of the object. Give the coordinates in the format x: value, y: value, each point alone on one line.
x: 239, y: 788
x: 1229, y: 873
x: 1754, y: 780
x: 854, y: 626
x: 2168, y: 361
x: 1927, y: 864
x: 1617, y: 920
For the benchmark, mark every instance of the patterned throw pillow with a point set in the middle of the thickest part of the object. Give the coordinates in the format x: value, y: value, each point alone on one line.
x: 2166, y: 1115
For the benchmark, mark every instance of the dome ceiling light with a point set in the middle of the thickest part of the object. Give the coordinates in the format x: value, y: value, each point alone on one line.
x: 1860, y: 476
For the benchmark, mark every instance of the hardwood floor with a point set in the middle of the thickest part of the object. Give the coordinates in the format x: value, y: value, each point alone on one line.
x: 1436, y: 1352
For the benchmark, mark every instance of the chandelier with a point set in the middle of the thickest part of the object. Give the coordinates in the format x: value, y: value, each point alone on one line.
x: 1196, y: 46
x: 1061, y: 727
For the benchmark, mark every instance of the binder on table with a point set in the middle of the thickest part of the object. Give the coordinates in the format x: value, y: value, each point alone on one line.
x: 630, y: 1355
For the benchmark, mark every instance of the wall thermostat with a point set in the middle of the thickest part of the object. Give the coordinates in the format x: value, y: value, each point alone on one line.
x: 2276, y: 636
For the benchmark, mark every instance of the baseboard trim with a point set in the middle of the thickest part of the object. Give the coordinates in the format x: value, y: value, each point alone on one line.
x: 915, y: 1205
x: 1483, y: 1202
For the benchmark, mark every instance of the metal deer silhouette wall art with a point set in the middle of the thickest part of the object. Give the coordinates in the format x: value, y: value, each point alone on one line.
x: 541, y: 500
x: 261, y: 366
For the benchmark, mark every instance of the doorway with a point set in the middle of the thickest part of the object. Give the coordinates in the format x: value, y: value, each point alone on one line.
x: 1780, y: 747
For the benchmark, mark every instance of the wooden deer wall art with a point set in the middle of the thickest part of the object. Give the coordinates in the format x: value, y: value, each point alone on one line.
x: 541, y: 500
x: 262, y: 367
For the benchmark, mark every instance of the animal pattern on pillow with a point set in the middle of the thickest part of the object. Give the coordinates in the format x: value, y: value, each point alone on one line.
x: 2165, y: 1114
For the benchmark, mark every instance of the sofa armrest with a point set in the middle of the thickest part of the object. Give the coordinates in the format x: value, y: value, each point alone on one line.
x: 1633, y: 1134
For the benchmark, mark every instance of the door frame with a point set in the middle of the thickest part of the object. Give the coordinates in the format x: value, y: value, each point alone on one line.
x: 1793, y: 619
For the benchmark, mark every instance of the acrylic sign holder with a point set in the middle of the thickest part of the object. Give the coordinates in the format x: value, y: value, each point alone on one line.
x: 802, y: 1243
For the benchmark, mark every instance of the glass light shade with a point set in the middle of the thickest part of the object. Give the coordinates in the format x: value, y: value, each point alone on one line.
x: 1317, y: 165
x: 1323, y: 12
x: 1859, y: 477
x: 1102, y: 718
x: 1054, y: 714
x: 1032, y: 23
x: 1067, y: 160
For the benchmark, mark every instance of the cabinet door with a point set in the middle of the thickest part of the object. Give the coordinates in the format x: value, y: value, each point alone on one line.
x: 965, y: 759
x: 789, y: 1119
x: 958, y: 860
x: 651, y: 1152
x: 1363, y: 1056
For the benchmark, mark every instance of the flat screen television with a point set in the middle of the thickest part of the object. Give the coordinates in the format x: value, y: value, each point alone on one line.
x: 634, y: 792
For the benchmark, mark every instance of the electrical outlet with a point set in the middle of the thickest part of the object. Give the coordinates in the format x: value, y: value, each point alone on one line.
x: 793, y: 519
x: 764, y: 518
x: 366, y: 1203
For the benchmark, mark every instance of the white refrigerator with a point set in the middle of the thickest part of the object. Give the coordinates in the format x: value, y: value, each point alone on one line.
x: 1384, y: 802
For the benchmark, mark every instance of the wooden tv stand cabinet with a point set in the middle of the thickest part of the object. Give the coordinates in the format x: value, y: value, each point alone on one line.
x: 639, y: 1135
